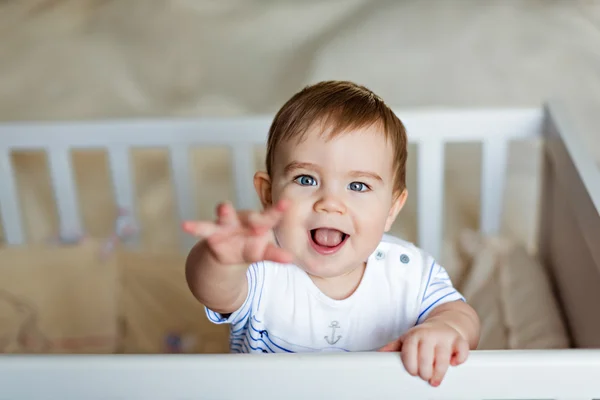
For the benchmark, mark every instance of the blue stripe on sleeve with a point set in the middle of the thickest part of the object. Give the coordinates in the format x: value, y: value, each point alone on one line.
x: 430, y: 306
x: 438, y: 290
x: 240, y: 317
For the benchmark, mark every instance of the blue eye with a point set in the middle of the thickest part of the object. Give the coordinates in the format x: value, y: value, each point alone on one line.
x: 358, y: 187
x: 305, y: 180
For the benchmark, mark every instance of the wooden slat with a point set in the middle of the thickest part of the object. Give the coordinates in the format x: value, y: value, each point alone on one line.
x: 10, y: 211
x: 182, y: 180
x: 449, y: 125
x: 430, y: 195
x: 243, y: 176
x: 493, y: 179
x: 123, y: 184
x: 65, y: 193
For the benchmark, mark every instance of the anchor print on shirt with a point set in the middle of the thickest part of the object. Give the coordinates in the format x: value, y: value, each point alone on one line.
x: 333, y: 339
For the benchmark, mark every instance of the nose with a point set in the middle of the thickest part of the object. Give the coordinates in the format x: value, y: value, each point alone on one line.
x: 329, y: 203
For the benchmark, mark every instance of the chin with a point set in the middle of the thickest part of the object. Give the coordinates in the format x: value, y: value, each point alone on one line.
x: 326, y: 267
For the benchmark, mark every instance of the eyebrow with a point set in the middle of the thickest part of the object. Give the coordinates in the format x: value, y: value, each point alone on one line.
x: 295, y: 165
x: 366, y: 174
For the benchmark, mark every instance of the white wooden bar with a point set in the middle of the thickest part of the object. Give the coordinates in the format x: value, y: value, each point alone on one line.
x: 449, y: 125
x: 119, y: 162
x: 494, y: 158
x: 183, y: 181
x: 243, y: 176
x: 65, y: 193
x: 10, y: 211
x: 430, y: 195
x: 534, y: 374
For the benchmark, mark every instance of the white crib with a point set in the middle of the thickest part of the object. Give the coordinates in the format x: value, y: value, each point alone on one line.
x: 568, y: 245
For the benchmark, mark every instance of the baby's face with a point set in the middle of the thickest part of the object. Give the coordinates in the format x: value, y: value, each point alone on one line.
x: 342, y: 195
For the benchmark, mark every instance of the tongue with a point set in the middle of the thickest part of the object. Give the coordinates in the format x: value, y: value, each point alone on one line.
x: 327, y: 237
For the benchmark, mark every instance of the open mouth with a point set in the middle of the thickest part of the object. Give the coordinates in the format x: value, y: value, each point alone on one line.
x: 327, y: 240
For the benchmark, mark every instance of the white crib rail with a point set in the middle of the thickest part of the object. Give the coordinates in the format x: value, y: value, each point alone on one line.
x: 430, y: 129
x: 10, y: 212
x: 63, y: 184
x: 538, y: 374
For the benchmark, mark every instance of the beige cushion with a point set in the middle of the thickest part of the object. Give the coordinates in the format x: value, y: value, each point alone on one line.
x: 511, y: 293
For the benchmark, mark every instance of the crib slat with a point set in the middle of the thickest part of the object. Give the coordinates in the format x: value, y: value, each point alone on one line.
x: 9, y: 201
x: 182, y: 179
x: 243, y: 175
x: 430, y: 195
x: 65, y: 194
x: 122, y: 180
x: 493, y: 178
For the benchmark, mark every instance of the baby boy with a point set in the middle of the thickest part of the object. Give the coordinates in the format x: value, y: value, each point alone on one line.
x: 315, y: 270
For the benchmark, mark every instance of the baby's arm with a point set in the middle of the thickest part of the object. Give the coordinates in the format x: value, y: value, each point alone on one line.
x: 460, y: 316
x: 221, y: 288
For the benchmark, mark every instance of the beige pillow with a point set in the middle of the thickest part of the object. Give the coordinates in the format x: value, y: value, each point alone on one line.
x: 511, y: 293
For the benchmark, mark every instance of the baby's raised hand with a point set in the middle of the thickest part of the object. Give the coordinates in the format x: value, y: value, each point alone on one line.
x: 428, y: 349
x: 241, y: 237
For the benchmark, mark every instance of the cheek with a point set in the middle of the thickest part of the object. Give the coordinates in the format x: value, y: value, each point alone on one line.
x: 371, y: 222
x: 290, y: 190
x: 370, y: 203
x: 371, y: 212
x: 296, y: 191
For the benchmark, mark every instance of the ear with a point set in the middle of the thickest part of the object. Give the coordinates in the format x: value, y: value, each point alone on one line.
x: 262, y: 185
x: 397, y: 204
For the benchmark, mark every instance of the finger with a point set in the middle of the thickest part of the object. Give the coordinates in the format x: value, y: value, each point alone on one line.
x: 253, y: 250
x: 226, y: 214
x: 408, y: 353
x: 425, y: 359
x: 244, y: 223
x: 394, y: 345
x: 201, y: 229
x: 224, y: 233
x: 269, y: 217
x: 257, y: 223
x: 440, y: 364
x: 277, y: 254
x: 297, y: 260
x: 461, y: 352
